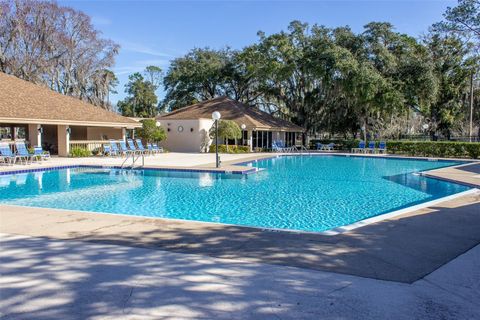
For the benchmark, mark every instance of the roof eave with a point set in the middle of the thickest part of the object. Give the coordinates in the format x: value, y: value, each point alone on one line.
x: 129, y: 125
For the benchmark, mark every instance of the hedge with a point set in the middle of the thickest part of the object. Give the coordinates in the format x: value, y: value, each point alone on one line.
x: 442, y: 149
x: 231, y: 149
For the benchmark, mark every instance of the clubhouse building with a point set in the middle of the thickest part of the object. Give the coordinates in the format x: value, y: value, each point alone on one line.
x: 188, y: 128
x: 41, y: 116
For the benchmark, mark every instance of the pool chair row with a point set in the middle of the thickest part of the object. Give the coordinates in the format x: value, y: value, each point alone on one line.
x: 279, y: 146
x: 21, y: 154
x: 122, y: 148
x: 371, y: 148
x: 325, y: 147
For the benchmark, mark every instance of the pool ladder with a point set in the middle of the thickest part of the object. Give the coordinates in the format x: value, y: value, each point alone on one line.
x: 134, y: 160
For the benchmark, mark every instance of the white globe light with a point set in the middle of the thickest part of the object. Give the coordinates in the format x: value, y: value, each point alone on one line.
x: 243, y: 126
x: 158, y: 123
x: 425, y: 126
x: 216, y: 115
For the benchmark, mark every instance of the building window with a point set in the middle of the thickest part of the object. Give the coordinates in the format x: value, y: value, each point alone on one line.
x: 20, y: 133
x: 5, y: 133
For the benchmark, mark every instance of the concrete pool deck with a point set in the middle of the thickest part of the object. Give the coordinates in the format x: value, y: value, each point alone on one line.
x: 47, y: 279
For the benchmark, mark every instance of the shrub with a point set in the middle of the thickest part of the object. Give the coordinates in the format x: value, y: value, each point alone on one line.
x: 80, y: 152
x: 231, y: 149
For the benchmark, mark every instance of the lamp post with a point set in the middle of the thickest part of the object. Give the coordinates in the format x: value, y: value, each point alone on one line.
x: 243, y: 126
x: 216, y: 116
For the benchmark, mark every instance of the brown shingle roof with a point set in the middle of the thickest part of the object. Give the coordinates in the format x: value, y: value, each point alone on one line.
x: 23, y: 100
x: 232, y: 110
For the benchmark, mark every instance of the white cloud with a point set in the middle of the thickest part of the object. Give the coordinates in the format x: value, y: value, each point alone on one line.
x: 140, y: 65
x: 140, y: 48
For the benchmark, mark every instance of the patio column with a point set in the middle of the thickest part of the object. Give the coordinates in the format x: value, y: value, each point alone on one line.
x: 124, y: 134
x: 63, y: 140
x: 35, y: 134
x: 250, y: 140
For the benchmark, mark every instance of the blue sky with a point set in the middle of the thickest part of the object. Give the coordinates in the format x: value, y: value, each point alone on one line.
x: 154, y: 32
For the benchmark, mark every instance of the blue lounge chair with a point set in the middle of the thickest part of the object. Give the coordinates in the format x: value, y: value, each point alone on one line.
x: 319, y: 146
x: 6, y: 154
x: 131, y: 146
x: 114, y: 151
x: 329, y: 147
x: 371, y: 147
x: 23, y: 153
x: 360, y: 148
x: 157, y: 148
x: 150, y: 148
x: 282, y: 148
x: 107, y: 150
x: 40, y: 153
x: 123, y: 147
x: 140, y: 147
x: 382, y: 147
x: 275, y: 147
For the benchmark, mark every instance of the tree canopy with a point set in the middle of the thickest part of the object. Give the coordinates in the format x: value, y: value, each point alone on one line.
x: 150, y: 132
x: 57, y: 46
x: 336, y: 81
x: 227, y: 129
x: 141, y: 100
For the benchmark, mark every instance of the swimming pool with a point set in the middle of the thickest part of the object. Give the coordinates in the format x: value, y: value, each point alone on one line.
x: 308, y: 193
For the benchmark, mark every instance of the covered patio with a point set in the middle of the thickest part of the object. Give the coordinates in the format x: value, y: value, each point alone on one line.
x: 58, y: 123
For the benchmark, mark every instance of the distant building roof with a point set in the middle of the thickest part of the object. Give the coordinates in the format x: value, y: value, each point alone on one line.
x: 25, y: 102
x: 232, y: 110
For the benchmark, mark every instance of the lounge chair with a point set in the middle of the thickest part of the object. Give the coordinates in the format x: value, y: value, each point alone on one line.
x: 40, y: 153
x: 371, y: 147
x: 319, y: 146
x: 382, y: 147
x: 123, y: 148
x: 157, y: 148
x: 114, y: 151
x: 360, y: 148
x: 275, y: 147
x: 140, y: 147
x: 282, y: 148
x: 107, y: 150
x: 23, y: 153
x: 131, y: 147
x: 329, y: 147
x: 150, y: 149
x: 6, y: 154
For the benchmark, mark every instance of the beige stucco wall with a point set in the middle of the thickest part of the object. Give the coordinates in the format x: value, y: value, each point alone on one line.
x: 99, y: 133
x: 191, y: 139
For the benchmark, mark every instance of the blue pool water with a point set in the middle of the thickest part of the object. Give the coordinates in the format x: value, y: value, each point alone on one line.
x: 312, y: 193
